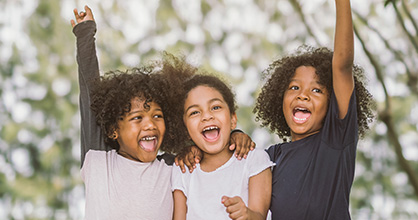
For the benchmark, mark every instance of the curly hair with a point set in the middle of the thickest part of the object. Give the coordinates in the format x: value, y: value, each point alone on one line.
x: 111, y: 99
x: 269, y: 104
x: 183, y: 77
x: 176, y: 71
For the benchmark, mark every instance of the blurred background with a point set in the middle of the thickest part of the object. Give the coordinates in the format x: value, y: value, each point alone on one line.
x: 39, y: 118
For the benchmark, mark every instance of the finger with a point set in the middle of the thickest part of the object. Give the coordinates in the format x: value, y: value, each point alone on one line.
x: 238, y: 151
x: 176, y: 161
x: 72, y: 23
x: 223, y: 199
x: 253, y: 145
x: 197, y: 153
x: 197, y: 159
x: 88, y: 11
x: 229, y: 201
x: 232, y: 146
x: 187, y: 161
x: 181, y: 165
x: 76, y: 14
x: 246, y: 150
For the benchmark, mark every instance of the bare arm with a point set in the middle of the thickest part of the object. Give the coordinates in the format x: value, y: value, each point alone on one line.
x: 259, y: 196
x: 180, y: 205
x: 342, y: 62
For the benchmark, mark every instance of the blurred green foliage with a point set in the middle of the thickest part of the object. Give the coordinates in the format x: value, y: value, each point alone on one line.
x: 39, y: 119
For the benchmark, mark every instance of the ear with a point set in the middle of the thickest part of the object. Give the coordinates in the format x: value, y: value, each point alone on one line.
x: 114, y: 135
x: 234, y: 121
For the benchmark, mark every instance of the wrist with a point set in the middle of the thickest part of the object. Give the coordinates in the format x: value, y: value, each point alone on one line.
x: 236, y: 130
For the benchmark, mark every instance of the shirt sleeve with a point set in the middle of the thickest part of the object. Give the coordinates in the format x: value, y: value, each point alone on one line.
x: 258, y: 161
x: 88, y: 71
x: 179, y: 179
x: 340, y: 133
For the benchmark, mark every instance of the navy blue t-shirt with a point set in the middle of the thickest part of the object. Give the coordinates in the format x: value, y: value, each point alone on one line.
x: 313, y: 176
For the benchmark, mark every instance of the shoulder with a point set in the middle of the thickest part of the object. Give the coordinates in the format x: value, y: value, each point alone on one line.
x: 257, y: 161
x: 98, y: 156
x: 94, y: 162
x: 273, y: 151
x: 258, y: 155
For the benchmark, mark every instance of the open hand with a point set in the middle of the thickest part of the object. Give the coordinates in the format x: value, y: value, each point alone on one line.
x: 82, y: 16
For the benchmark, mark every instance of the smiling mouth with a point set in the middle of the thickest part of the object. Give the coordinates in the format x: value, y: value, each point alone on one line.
x: 301, y: 115
x: 149, y: 143
x: 211, y: 133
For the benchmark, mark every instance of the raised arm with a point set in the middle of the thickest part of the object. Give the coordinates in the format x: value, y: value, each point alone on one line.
x: 88, y: 71
x: 342, y: 62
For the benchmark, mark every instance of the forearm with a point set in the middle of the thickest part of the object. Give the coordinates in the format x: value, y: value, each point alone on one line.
x: 253, y: 215
x: 88, y: 65
x: 344, y: 38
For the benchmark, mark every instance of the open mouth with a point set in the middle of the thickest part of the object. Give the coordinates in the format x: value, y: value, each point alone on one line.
x: 211, y: 133
x: 300, y: 115
x: 149, y: 143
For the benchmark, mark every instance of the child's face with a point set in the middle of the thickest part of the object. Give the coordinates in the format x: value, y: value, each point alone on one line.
x: 305, y: 103
x: 208, y: 119
x: 141, y: 131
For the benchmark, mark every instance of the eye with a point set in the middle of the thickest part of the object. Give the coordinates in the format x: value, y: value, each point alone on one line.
x: 193, y: 113
x: 216, y: 107
x: 137, y: 118
x: 317, y: 90
x: 159, y: 116
x: 294, y: 87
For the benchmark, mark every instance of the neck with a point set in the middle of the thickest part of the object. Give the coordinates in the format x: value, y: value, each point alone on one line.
x: 211, y: 162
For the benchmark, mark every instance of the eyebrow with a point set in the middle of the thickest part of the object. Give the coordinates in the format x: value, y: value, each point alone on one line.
x: 210, y: 101
x: 140, y: 111
x: 297, y: 80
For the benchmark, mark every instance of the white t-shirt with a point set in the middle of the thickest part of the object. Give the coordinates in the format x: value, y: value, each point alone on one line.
x: 204, y: 190
x: 119, y: 188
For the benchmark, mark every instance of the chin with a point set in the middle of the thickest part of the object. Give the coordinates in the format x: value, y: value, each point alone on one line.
x: 149, y: 156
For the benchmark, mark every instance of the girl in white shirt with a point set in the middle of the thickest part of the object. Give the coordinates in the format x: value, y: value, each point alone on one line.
x: 221, y: 186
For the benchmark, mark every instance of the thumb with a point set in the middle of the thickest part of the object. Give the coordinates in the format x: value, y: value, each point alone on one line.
x: 232, y: 146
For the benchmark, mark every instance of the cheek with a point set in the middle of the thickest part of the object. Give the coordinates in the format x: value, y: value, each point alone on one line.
x: 161, y: 126
x: 189, y: 123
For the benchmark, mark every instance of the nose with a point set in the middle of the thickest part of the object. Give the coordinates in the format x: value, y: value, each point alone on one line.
x: 207, y: 115
x: 148, y: 124
x: 303, y: 95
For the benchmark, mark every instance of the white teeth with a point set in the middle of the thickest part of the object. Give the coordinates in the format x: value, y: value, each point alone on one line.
x: 301, y: 109
x: 148, y: 138
x: 210, y: 128
x: 300, y: 119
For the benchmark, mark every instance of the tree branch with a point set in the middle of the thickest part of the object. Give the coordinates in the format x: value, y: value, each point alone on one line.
x: 409, y: 15
x: 412, y: 81
x: 386, y: 117
x: 299, y: 11
x: 401, y: 21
